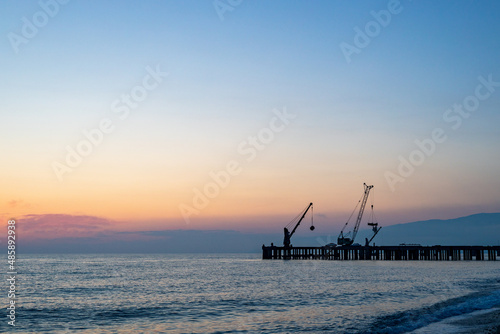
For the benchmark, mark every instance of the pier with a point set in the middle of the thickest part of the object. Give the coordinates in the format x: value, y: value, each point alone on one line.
x: 384, y: 253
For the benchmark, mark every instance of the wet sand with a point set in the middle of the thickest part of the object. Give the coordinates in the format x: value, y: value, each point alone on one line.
x: 480, y: 323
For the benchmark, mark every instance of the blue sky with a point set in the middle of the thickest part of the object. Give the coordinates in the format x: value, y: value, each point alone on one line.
x: 354, y: 119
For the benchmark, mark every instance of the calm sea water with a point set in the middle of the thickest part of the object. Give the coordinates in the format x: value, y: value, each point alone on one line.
x: 221, y: 293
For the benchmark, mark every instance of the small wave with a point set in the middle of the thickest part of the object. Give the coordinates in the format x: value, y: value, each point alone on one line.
x: 410, y: 320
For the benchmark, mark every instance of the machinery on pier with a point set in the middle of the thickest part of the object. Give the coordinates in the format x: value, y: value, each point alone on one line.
x: 296, y: 222
x: 375, y: 229
x: 348, y: 238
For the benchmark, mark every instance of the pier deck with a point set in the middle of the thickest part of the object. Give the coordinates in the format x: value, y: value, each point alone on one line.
x: 385, y: 253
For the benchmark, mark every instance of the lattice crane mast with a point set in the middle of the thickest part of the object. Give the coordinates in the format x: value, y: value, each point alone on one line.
x: 343, y: 240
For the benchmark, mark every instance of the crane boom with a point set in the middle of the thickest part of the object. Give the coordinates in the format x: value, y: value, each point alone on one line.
x: 288, y: 235
x: 345, y: 241
x: 361, y: 210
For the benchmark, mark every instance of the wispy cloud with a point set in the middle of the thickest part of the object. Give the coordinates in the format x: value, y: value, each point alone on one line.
x: 52, y: 226
x: 19, y: 203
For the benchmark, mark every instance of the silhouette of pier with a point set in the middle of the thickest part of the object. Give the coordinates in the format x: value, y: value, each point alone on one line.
x: 384, y: 253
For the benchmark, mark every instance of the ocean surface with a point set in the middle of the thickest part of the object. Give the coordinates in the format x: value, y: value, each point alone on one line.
x: 240, y: 293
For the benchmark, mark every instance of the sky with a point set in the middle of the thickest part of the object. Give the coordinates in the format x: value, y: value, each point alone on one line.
x: 235, y: 115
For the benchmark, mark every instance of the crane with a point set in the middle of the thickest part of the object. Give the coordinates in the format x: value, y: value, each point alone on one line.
x: 288, y: 235
x: 375, y: 228
x: 344, y: 240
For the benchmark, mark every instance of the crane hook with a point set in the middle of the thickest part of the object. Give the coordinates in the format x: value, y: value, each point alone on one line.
x: 312, y: 222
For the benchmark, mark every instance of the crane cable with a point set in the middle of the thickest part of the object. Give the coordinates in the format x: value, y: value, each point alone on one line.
x: 370, y: 219
x: 312, y: 216
x: 352, y: 213
x: 373, y: 218
x: 294, y: 220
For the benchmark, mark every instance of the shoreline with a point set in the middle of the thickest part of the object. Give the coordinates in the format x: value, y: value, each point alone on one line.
x: 478, y: 322
x: 481, y: 322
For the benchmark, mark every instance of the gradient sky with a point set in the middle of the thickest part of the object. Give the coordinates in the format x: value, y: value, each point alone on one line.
x: 353, y: 122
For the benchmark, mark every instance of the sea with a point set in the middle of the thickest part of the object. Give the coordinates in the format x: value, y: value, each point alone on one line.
x: 241, y: 293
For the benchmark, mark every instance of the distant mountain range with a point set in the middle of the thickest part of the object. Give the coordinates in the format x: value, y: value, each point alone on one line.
x: 478, y: 229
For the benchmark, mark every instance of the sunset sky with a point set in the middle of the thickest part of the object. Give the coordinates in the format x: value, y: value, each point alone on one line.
x: 117, y: 115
